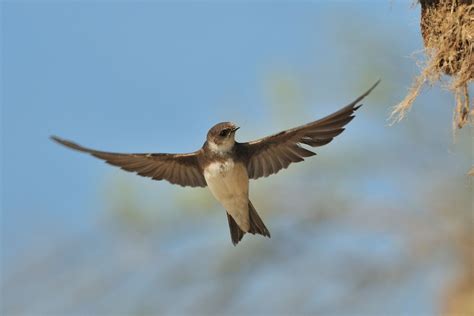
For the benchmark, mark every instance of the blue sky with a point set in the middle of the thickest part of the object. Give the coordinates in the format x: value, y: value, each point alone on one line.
x: 145, y: 77
x: 154, y: 76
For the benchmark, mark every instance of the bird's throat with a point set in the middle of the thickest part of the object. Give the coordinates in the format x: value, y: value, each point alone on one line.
x: 223, y: 148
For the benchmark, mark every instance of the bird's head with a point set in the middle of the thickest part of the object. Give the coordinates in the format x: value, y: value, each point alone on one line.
x: 221, y: 137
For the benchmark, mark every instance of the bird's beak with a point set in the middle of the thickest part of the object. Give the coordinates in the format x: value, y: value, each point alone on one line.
x: 235, y: 129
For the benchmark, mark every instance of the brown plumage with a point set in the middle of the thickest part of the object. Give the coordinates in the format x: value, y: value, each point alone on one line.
x: 256, y: 226
x: 181, y: 169
x: 226, y: 166
x: 270, y: 154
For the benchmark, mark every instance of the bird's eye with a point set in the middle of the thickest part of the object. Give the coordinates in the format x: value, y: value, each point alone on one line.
x: 224, y: 132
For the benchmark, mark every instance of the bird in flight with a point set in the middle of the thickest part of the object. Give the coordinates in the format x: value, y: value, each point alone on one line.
x: 226, y: 166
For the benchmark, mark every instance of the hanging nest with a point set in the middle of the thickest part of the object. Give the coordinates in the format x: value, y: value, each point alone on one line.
x: 447, y: 27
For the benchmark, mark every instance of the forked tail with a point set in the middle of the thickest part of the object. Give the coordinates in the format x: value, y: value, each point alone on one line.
x: 256, y: 226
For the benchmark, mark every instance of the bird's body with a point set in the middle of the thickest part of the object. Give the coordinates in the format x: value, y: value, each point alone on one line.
x: 226, y: 166
x: 228, y: 181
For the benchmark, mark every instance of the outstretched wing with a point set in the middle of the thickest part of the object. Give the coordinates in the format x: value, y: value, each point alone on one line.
x: 270, y: 154
x: 182, y: 169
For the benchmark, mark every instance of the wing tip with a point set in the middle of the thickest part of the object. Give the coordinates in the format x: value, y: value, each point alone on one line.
x: 55, y: 138
x: 371, y: 88
x: 376, y: 83
x: 60, y: 140
x: 67, y: 143
x: 354, y: 105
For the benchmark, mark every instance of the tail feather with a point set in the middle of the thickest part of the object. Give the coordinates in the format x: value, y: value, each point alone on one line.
x: 256, y: 226
x: 236, y: 233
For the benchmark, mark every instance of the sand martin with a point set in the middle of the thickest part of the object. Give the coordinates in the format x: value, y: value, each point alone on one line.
x: 225, y: 166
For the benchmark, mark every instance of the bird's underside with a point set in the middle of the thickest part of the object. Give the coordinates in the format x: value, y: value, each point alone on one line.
x: 259, y: 158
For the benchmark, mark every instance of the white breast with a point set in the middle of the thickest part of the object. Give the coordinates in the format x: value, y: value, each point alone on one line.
x: 229, y: 183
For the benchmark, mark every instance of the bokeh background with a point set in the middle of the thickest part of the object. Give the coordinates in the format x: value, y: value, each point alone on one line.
x: 379, y: 223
